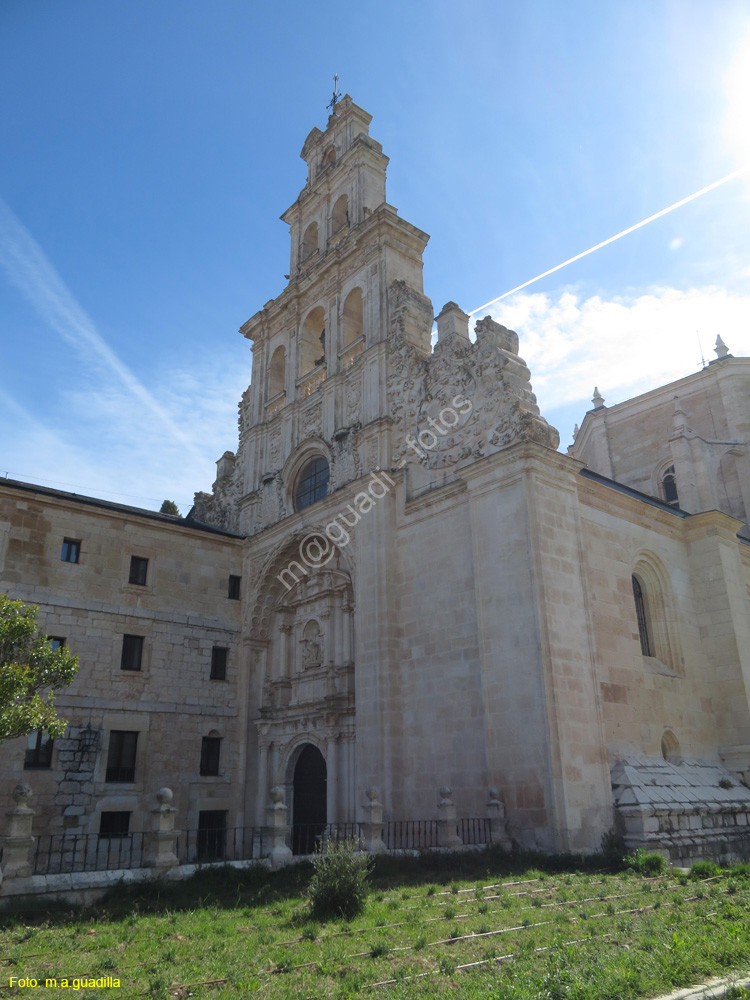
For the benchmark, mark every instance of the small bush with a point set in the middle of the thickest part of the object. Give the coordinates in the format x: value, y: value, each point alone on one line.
x: 338, y: 887
x: 646, y: 864
x: 704, y: 869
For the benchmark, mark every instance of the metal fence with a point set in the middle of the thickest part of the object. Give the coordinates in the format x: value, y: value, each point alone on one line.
x: 411, y: 834
x: 62, y: 853
x: 310, y: 838
x: 220, y: 844
x: 56, y: 853
x: 475, y: 831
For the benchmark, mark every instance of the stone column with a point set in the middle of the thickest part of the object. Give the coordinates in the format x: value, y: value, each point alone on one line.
x: 337, y: 619
x: 346, y: 633
x: 277, y: 830
x: 372, y: 827
x: 161, y: 842
x: 18, y: 843
x: 330, y: 620
x: 447, y: 833
x: 332, y: 783
x: 262, y: 783
x: 284, y: 631
x: 496, y: 814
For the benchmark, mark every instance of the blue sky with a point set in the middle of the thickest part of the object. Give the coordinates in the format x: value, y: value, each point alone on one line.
x: 148, y: 149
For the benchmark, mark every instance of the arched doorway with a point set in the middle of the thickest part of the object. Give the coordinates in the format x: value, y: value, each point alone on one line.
x: 309, y: 801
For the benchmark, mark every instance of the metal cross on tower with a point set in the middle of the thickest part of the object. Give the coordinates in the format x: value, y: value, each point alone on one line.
x: 336, y: 95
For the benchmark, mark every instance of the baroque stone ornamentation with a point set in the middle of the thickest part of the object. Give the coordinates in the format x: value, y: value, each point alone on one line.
x: 466, y: 401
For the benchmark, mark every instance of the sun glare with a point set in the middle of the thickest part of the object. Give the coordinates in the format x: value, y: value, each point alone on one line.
x: 737, y: 119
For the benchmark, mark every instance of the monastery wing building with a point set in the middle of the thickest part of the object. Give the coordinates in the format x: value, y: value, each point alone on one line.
x: 399, y: 590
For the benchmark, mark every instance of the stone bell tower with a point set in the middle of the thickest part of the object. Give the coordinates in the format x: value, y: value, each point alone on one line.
x: 319, y: 349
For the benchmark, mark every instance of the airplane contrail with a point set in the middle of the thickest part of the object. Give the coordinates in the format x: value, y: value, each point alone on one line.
x: 30, y: 270
x: 604, y: 243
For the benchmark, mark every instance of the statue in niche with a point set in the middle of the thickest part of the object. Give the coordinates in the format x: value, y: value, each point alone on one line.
x: 311, y: 646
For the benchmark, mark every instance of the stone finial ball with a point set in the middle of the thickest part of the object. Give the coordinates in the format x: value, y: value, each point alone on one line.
x: 277, y: 794
x: 445, y: 792
x: 372, y: 792
x: 164, y: 796
x: 493, y: 792
x: 21, y: 793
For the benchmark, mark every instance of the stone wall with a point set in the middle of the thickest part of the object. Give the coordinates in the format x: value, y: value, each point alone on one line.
x: 182, y: 612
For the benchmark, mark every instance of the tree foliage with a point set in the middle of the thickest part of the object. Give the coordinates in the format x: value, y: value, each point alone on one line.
x: 30, y: 673
x: 170, y: 507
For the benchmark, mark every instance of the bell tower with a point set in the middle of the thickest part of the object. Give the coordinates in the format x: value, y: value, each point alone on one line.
x: 319, y: 377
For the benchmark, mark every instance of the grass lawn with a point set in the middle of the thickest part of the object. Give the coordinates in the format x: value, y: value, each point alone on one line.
x: 480, y: 925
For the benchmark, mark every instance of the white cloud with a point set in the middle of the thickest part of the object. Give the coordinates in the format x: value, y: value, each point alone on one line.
x: 625, y: 344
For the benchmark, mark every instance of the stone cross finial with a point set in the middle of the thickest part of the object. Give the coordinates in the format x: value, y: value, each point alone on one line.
x: 598, y: 399
x: 722, y: 351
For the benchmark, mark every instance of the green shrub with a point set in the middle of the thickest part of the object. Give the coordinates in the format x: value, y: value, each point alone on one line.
x: 338, y: 887
x: 704, y: 869
x: 645, y: 863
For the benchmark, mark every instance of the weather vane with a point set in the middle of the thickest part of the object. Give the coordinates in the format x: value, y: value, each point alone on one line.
x: 336, y: 95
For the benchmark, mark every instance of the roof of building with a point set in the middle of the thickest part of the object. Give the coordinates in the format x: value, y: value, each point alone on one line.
x: 151, y: 515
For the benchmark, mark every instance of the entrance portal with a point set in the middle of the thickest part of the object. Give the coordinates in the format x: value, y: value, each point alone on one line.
x: 309, y: 810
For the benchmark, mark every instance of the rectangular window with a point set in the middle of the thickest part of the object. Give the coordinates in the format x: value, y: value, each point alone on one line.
x: 219, y: 663
x: 212, y: 835
x: 210, y: 753
x: 114, y: 824
x: 71, y: 550
x: 56, y: 641
x: 138, y: 571
x: 121, y: 757
x: 132, y: 652
x: 234, y: 588
x: 38, y: 751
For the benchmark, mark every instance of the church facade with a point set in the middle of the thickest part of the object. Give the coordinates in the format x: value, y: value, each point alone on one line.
x: 399, y: 582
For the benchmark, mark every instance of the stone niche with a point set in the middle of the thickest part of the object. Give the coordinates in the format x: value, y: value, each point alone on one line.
x: 687, y: 810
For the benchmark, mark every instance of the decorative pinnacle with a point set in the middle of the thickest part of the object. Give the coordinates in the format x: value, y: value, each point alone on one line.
x: 598, y: 399
x: 721, y: 348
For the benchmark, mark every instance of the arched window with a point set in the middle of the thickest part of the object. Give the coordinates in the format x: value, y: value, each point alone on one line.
x: 657, y: 616
x: 329, y: 156
x: 312, y: 483
x: 310, y: 240
x: 340, y: 216
x: 670, y: 747
x: 669, y: 487
x: 352, y: 325
x: 277, y: 372
x: 640, y: 611
x: 312, y: 341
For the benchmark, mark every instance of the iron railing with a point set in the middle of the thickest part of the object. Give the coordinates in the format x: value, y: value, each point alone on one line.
x: 64, y: 853
x: 411, y: 834
x: 475, y: 831
x: 311, y: 838
x: 56, y: 854
x: 220, y: 844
